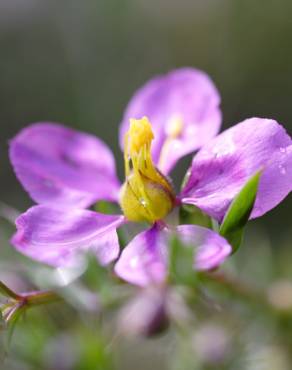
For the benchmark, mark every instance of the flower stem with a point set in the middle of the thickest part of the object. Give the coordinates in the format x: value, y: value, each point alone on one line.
x: 30, y: 298
x: 17, y: 303
x: 8, y: 292
x: 40, y: 297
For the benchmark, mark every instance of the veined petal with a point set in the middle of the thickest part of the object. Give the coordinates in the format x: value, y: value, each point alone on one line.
x: 62, y: 167
x: 143, y: 261
x: 210, y: 249
x: 56, y: 237
x: 183, y: 107
x: 223, y: 166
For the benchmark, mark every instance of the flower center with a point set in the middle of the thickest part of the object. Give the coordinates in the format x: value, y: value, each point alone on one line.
x: 146, y: 194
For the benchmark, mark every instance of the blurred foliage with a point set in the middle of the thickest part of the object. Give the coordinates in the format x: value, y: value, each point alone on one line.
x: 79, y: 62
x: 244, y: 322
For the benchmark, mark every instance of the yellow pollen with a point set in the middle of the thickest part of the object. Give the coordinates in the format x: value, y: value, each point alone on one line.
x: 140, y: 134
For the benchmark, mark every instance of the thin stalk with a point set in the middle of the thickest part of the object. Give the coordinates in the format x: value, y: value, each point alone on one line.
x: 8, y: 292
x: 40, y: 297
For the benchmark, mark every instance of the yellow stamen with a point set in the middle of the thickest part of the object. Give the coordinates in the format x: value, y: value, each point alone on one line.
x: 175, y: 126
x: 146, y: 194
x: 141, y: 134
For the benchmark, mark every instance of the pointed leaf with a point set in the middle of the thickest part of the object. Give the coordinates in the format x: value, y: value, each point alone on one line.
x: 239, y: 211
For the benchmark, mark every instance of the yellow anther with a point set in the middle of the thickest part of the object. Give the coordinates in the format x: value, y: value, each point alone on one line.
x: 140, y: 134
x: 174, y: 129
x: 146, y: 194
x: 174, y: 126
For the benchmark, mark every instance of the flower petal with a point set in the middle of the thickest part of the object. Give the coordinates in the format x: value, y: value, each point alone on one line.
x: 61, y: 166
x: 223, y: 166
x: 143, y: 261
x: 186, y: 95
x: 211, y: 249
x: 56, y: 237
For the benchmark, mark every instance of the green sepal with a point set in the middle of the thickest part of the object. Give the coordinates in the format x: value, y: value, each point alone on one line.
x: 238, y: 213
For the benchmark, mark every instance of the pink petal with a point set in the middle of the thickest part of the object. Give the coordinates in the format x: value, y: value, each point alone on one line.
x: 186, y: 93
x: 62, y: 167
x: 223, y: 166
x: 211, y: 249
x: 56, y: 237
x: 143, y: 261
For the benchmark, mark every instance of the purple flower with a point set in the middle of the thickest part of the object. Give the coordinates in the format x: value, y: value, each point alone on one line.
x: 66, y: 171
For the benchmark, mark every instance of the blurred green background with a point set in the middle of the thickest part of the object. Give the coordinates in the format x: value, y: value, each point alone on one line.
x: 79, y: 61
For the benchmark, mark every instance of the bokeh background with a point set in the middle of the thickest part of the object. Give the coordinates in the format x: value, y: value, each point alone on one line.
x: 78, y: 62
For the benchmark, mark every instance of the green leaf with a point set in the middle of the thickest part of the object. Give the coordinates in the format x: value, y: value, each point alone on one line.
x: 239, y: 211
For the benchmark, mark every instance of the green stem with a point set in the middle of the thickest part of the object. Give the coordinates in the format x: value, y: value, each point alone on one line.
x: 31, y: 298
x: 8, y: 292
x: 40, y: 297
x: 19, y: 302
